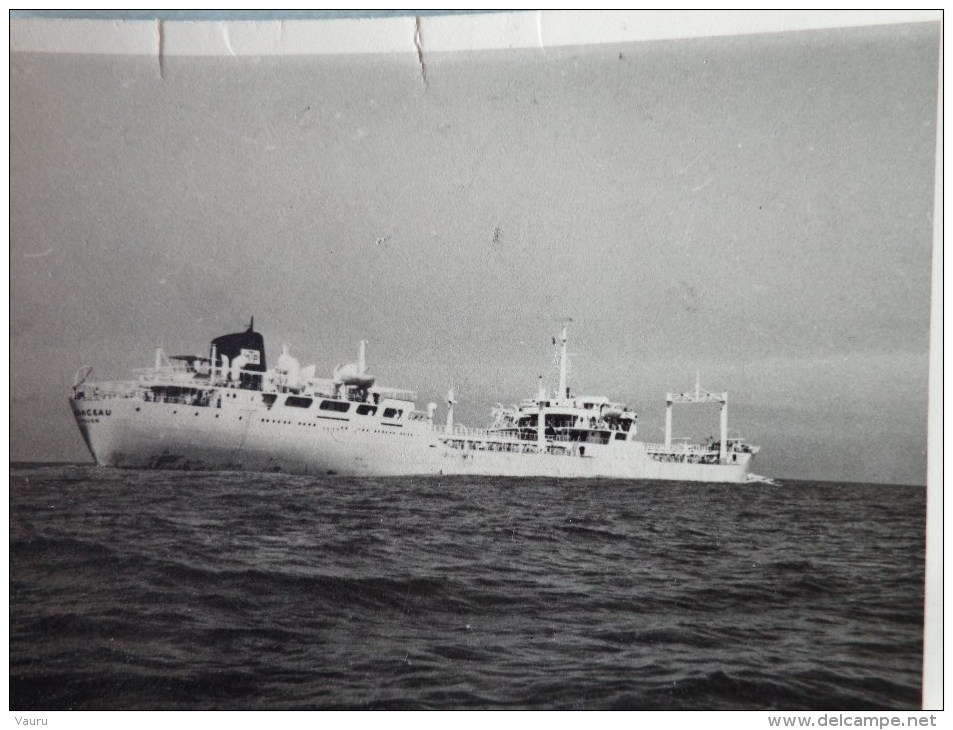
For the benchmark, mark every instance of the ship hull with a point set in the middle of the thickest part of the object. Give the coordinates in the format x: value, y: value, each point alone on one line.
x: 240, y: 435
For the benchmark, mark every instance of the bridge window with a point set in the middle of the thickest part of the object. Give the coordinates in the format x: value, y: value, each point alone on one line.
x: 393, y: 413
x: 365, y: 410
x: 559, y: 420
x: 296, y: 401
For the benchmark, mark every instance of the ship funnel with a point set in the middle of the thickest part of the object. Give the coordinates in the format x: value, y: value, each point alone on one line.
x: 248, y: 344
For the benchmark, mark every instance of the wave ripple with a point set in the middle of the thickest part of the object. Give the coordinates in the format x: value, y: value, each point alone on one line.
x: 155, y: 590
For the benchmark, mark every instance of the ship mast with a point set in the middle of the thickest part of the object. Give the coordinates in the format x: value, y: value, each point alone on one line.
x: 450, y: 402
x: 563, y: 362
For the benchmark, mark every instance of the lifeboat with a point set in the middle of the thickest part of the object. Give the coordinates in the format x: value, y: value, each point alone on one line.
x: 354, y: 373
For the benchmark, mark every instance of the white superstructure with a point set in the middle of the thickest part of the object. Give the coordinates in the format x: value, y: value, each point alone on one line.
x: 228, y: 412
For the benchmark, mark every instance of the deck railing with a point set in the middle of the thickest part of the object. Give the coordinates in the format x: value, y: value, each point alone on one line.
x: 114, y: 389
x: 458, y: 431
x: 679, y: 448
x: 732, y: 447
x: 465, y: 432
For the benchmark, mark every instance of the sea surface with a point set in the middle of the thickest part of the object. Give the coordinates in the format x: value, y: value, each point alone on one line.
x: 182, y: 590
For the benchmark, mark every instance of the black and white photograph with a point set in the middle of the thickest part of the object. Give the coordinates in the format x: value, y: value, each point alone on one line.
x: 425, y: 360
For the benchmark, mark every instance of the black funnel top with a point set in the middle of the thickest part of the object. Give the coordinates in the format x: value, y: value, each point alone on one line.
x: 248, y: 343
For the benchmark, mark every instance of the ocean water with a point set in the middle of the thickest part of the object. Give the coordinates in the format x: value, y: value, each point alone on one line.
x: 178, y: 590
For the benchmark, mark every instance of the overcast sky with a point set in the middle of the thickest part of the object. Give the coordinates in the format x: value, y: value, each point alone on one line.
x: 756, y: 208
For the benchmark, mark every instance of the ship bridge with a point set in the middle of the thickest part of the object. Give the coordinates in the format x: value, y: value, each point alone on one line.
x: 564, y: 416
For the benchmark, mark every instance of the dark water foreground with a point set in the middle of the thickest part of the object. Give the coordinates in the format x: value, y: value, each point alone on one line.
x: 161, y: 590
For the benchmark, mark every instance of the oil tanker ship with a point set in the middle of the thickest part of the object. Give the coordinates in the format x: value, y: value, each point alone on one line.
x: 229, y: 411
